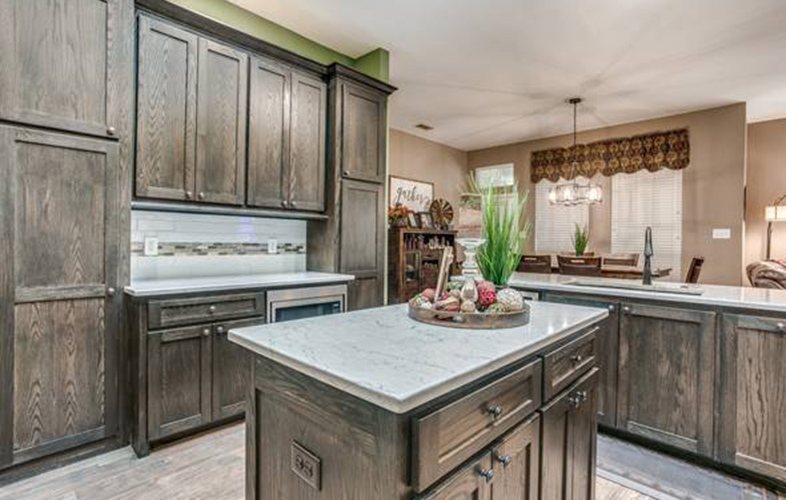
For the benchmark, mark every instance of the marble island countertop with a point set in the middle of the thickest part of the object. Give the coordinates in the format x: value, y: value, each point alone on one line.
x: 761, y: 299
x: 144, y: 288
x: 382, y: 356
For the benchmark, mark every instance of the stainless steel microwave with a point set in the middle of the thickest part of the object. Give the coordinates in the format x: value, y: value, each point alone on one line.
x: 306, y: 302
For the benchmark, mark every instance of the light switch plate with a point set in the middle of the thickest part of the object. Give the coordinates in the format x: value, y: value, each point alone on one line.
x: 272, y: 246
x: 151, y: 246
x: 723, y: 233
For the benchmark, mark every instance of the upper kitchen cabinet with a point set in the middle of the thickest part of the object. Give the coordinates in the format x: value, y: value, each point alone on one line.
x: 191, y: 116
x: 363, y: 126
x: 287, y: 121
x: 61, y: 63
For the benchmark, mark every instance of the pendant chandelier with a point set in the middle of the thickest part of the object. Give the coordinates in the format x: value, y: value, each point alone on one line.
x: 574, y: 192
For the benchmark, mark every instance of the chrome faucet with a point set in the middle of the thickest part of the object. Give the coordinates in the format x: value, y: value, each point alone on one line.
x: 648, y: 253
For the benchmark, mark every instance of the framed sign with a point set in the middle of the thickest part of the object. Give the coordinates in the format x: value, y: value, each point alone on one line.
x: 415, y: 195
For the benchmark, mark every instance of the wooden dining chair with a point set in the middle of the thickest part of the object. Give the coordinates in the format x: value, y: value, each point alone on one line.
x: 621, y: 259
x: 535, y: 264
x: 579, y: 266
x: 694, y: 270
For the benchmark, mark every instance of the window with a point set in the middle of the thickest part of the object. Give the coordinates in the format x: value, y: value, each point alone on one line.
x: 650, y: 199
x: 495, y: 176
x: 555, y: 224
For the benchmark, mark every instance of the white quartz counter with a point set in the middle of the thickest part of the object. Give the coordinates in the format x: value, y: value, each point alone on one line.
x: 713, y: 295
x: 145, y: 288
x: 382, y: 356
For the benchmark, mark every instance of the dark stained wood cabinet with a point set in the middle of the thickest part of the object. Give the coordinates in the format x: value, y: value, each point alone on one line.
x: 666, y: 375
x: 363, y: 123
x: 191, y: 116
x: 222, y: 75
x: 568, y: 435
x: 287, y: 138
x: 230, y: 370
x: 179, y: 380
x: 517, y: 463
x: 752, y: 417
x: 59, y: 233
x: 362, y: 242
x: 60, y: 65
x: 472, y: 482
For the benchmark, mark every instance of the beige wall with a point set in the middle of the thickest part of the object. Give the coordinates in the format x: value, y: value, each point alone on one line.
x: 766, y: 182
x: 712, y: 184
x: 424, y: 160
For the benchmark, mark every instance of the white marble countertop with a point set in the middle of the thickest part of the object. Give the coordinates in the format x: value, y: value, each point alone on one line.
x: 714, y: 295
x: 143, y: 288
x: 382, y: 356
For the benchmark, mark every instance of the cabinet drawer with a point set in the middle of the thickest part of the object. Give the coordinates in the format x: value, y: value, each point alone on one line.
x: 206, y: 309
x: 448, y: 436
x: 565, y: 364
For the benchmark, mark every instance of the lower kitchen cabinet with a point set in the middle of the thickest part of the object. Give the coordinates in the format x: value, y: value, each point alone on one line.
x: 666, y: 375
x: 752, y: 427
x: 471, y: 483
x: 517, y: 463
x: 230, y: 370
x: 569, y: 432
x: 179, y: 366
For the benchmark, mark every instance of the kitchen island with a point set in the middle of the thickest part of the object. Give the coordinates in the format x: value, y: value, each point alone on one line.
x: 693, y: 370
x: 374, y: 405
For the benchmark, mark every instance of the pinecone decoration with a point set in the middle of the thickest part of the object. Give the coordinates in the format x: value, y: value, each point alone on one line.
x: 486, y: 296
x: 511, y: 299
x: 420, y: 301
x: 497, y: 308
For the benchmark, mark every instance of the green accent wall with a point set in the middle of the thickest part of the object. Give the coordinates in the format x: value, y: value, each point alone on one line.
x: 374, y: 64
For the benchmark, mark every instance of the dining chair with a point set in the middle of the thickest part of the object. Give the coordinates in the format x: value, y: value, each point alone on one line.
x: 579, y: 266
x: 621, y: 259
x: 535, y: 264
x: 694, y: 270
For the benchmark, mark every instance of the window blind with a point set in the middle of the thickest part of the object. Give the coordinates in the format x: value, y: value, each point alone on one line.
x: 554, y: 224
x: 650, y: 199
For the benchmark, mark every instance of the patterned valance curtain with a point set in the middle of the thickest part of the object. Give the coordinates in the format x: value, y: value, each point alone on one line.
x: 628, y: 154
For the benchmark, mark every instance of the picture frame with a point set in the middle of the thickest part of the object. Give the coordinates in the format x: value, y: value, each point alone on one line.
x: 414, y: 194
x: 413, y: 220
x: 426, y: 221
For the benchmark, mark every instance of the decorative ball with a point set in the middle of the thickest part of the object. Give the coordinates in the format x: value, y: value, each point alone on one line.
x: 485, y: 285
x: 486, y: 297
x: 429, y: 294
x: 449, y: 304
x: 497, y: 308
x: 511, y: 299
x: 468, y: 306
x: 420, y: 301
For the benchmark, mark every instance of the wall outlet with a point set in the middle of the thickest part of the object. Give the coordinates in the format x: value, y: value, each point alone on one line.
x: 723, y: 233
x: 151, y: 246
x: 272, y: 246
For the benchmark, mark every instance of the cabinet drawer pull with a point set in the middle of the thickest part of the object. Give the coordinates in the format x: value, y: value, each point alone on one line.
x: 577, y: 358
x: 487, y: 474
x: 293, y: 204
x: 495, y: 411
x: 189, y: 195
x: 211, y: 309
x: 284, y: 203
x: 626, y: 309
x: 206, y: 332
x: 505, y: 460
x: 201, y: 195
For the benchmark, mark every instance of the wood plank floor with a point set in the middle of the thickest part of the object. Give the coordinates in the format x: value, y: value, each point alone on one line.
x: 209, y: 467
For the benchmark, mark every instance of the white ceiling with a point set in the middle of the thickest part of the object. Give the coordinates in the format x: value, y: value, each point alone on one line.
x: 488, y: 72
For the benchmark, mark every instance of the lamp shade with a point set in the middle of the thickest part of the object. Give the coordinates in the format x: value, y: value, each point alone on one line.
x: 775, y: 213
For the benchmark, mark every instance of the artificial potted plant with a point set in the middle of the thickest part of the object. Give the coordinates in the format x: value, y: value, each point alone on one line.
x: 580, y: 240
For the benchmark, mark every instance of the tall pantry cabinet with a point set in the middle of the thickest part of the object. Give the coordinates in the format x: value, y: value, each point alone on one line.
x: 65, y: 104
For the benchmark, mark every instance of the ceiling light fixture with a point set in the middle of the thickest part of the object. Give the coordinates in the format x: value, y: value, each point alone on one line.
x: 574, y: 192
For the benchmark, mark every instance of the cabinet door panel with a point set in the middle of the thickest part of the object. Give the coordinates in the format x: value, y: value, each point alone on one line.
x: 56, y: 60
x: 58, y: 372
x: 268, y: 133
x: 231, y: 370
x: 362, y: 241
x: 517, y: 463
x: 466, y: 484
x: 179, y: 392
x: 166, y: 111
x: 753, y: 376
x: 667, y: 362
x: 364, y: 116
x: 221, y: 118
x: 307, y: 152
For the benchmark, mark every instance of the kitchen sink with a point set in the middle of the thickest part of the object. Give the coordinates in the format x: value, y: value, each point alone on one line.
x: 678, y: 288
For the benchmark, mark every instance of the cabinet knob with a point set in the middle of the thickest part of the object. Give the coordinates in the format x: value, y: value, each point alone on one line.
x: 505, y: 460
x: 487, y: 474
x: 189, y: 195
x: 284, y: 204
x: 577, y: 358
x: 495, y: 411
x: 201, y: 195
x: 346, y: 173
x: 220, y: 329
x: 211, y: 309
x: 293, y: 204
x: 626, y: 309
x: 781, y: 326
x: 611, y: 308
x: 110, y: 291
x: 111, y: 130
x: 206, y: 332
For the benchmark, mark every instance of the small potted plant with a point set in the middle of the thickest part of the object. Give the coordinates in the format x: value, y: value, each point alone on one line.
x: 580, y: 240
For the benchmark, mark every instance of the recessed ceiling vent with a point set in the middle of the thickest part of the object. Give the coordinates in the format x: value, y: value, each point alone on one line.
x: 423, y: 126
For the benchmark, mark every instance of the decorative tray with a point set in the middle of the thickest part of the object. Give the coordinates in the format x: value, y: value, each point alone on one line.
x: 477, y: 321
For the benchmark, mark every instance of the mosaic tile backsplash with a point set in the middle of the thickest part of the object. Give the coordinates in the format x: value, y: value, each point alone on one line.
x: 194, y: 245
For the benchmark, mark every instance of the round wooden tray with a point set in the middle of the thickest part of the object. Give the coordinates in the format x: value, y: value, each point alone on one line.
x: 477, y: 321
